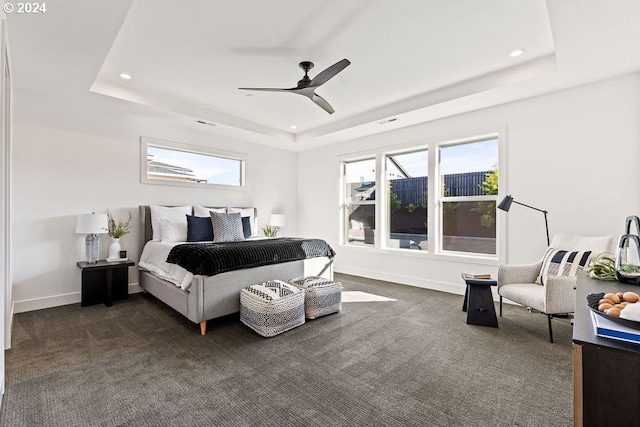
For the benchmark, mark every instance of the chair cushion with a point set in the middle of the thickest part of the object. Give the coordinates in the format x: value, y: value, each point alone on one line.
x: 527, y: 294
x: 559, y: 262
x: 580, y: 243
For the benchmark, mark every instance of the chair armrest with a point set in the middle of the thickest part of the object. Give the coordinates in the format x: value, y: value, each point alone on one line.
x: 520, y: 273
x: 560, y: 294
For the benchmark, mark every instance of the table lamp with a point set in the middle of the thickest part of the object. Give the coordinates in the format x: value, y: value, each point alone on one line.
x: 276, y: 221
x: 92, y: 224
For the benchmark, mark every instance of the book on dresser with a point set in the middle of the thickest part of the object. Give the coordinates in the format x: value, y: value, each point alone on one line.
x: 609, y: 329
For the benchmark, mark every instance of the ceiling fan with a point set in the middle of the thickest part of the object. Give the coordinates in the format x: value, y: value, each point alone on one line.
x: 307, y: 86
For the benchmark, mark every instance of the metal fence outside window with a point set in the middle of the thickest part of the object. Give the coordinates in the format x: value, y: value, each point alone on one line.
x: 413, y: 190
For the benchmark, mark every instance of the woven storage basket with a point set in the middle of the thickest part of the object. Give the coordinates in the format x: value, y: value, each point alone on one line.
x: 322, y: 296
x: 272, y: 307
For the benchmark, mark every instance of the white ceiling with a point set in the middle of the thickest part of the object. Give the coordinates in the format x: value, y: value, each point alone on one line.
x: 414, y: 60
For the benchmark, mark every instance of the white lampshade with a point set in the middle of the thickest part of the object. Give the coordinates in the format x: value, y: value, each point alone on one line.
x: 92, y: 224
x: 277, y: 220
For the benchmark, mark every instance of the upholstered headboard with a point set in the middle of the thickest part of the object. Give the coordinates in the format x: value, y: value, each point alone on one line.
x: 146, y: 231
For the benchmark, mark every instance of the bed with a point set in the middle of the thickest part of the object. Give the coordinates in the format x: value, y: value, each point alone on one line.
x: 209, y: 297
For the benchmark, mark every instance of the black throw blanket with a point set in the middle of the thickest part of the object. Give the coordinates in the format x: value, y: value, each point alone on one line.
x: 208, y: 259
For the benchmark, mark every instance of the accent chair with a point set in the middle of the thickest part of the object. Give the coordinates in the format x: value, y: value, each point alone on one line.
x: 541, y: 286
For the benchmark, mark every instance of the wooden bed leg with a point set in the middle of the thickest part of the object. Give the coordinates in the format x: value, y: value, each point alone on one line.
x: 203, y: 327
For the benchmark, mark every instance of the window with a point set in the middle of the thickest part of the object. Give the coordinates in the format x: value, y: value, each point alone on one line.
x: 407, y: 199
x: 359, y: 178
x: 468, y: 196
x: 454, y: 213
x: 165, y: 162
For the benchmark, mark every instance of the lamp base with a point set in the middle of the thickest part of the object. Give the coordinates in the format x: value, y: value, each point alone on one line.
x: 92, y: 248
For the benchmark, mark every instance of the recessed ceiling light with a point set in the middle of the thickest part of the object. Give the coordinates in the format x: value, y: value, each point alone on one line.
x: 294, y: 127
x: 125, y: 76
x: 516, y: 52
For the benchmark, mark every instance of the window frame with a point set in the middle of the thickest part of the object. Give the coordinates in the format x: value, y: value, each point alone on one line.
x: 440, y: 199
x: 432, y: 146
x: 146, y: 142
x: 345, y: 224
x: 386, y: 219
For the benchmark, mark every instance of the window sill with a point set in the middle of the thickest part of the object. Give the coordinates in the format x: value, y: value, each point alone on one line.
x: 419, y: 254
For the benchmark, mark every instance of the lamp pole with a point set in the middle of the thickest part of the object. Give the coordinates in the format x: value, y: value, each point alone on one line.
x: 546, y: 223
x: 505, y: 205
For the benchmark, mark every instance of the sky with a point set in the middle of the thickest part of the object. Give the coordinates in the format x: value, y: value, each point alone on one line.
x: 459, y: 158
x: 216, y: 170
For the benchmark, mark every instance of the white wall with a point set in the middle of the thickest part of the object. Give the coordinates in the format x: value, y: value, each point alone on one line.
x: 83, y: 155
x: 574, y: 153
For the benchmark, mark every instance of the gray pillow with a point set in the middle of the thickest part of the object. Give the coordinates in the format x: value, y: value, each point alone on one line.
x: 227, y: 227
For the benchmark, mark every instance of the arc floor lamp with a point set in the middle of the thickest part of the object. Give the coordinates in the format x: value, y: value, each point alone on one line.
x: 505, y: 205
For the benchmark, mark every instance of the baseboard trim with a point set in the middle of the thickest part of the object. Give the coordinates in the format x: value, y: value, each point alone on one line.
x: 58, y: 300
x: 46, y: 302
x: 418, y: 282
x: 135, y: 288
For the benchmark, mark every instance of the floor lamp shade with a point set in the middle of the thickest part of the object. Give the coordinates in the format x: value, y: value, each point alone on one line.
x: 505, y: 204
x: 92, y: 225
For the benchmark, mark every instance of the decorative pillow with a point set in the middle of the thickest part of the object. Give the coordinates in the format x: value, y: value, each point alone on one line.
x: 247, y: 212
x: 172, y: 214
x: 227, y: 227
x: 199, y: 229
x: 246, y: 226
x: 173, y: 231
x: 205, y: 211
x: 558, y: 262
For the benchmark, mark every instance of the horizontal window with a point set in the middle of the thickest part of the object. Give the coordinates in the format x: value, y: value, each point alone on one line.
x: 179, y: 164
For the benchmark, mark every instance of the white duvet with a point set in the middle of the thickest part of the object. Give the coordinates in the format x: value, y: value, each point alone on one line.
x: 154, y: 258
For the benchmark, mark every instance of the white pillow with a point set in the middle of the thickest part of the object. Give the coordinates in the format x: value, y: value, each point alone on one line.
x: 246, y: 212
x: 204, y: 211
x: 178, y: 213
x: 173, y: 231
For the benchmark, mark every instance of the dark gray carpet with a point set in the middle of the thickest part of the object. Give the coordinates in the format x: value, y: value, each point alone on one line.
x: 410, y: 362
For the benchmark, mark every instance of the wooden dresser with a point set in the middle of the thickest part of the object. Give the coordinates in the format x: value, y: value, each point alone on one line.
x: 606, y: 372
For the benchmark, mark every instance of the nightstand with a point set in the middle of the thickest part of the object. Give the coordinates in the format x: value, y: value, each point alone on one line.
x: 478, y: 302
x: 104, y: 282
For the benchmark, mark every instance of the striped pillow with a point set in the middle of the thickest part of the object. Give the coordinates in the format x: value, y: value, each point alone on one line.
x: 558, y: 262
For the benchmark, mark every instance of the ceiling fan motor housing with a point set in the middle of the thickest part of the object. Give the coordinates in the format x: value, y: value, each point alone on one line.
x: 305, y: 81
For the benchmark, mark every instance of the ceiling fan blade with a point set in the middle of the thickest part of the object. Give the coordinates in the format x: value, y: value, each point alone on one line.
x: 322, y: 103
x: 327, y: 74
x: 266, y: 89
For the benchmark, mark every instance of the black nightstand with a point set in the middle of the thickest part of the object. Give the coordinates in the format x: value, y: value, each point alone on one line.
x: 104, y: 282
